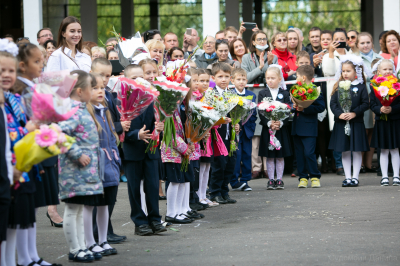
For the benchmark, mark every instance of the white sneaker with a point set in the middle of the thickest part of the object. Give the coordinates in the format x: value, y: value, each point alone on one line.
x: 211, y: 203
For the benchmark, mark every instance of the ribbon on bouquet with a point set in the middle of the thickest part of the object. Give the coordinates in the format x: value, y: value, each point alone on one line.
x: 274, y: 143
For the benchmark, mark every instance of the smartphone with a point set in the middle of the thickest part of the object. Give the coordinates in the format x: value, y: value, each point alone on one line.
x: 249, y: 25
x: 189, y: 31
x: 116, y: 67
x: 342, y: 45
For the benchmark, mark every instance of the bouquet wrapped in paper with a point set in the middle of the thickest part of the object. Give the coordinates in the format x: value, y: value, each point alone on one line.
x: 60, y: 81
x: 134, y: 96
x: 273, y: 111
x: 221, y: 104
x: 386, y: 89
x: 200, y: 119
x: 44, y: 106
x: 345, y: 102
x: 244, y: 107
x: 171, y: 96
x: 41, y: 144
x: 176, y: 70
x: 304, y: 94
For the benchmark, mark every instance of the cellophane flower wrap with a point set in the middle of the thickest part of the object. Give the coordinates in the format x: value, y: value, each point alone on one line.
x: 134, y: 96
x: 386, y: 89
x: 344, y: 96
x: 171, y: 96
x: 304, y: 94
x: 176, y: 70
x: 45, y: 106
x: 200, y: 119
x: 273, y: 111
x: 244, y: 107
x: 41, y: 144
x: 60, y: 81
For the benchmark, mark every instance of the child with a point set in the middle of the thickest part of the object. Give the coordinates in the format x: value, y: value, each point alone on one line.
x: 223, y: 166
x: 305, y: 136
x: 385, y: 135
x: 354, y: 141
x: 277, y: 91
x: 150, y: 70
x: 133, y: 72
x: 108, y: 143
x: 243, y: 154
x: 79, y: 171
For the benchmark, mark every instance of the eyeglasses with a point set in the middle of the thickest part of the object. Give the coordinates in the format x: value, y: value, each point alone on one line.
x: 281, y: 40
x: 222, y: 41
x: 46, y: 35
x: 22, y: 38
x: 261, y: 39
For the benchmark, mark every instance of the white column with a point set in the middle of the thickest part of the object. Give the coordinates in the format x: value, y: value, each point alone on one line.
x: 210, y: 17
x: 391, y: 18
x: 33, y: 19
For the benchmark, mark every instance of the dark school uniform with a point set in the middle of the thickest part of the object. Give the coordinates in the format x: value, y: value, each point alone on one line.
x: 282, y: 135
x: 141, y: 165
x: 358, y: 140
x: 305, y: 132
x: 386, y: 134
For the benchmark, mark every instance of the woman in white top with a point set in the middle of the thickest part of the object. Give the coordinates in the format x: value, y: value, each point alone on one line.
x: 69, y: 48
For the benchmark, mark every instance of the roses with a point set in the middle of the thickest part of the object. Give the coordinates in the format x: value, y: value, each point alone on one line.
x: 345, y: 84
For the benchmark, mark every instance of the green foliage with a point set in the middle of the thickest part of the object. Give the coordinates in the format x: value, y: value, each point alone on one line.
x: 304, y: 91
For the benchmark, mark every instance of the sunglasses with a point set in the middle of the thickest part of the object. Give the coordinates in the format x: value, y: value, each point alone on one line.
x: 281, y: 40
x: 261, y: 39
x: 22, y: 38
x: 222, y: 41
x: 352, y: 37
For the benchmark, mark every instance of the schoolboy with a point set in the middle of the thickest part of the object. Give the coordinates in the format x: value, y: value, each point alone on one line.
x: 133, y: 72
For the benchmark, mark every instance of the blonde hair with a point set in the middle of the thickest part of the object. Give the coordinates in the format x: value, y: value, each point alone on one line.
x: 153, y: 43
x: 149, y: 62
x: 276, y: 35
x: 298, y: 48
x: 274, y: 69
x: 385, y: 61
x: 98, y: 49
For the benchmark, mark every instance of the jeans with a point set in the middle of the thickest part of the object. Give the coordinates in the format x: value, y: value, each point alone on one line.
x: 337, y: 155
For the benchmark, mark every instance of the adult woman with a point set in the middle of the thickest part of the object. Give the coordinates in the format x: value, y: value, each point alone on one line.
x: 151, y: 34
x: 222, y: 51
x: 238, y: 49
x: 326, y: 39
x: 69, y: 48
x: 176, y: 53
x: 366, y: 47
x: 286, y: 59
x: 112, y: 55
x: 390, y: 46
x: 50, y: 47
x: 98, y: 52
x: 156, y: 49
x: 293, y: 44
x: 259, y: 48
x: 352, y: 42
x: 86, y: 50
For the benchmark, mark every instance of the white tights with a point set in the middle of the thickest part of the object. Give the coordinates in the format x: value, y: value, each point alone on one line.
x: 175, y: 199
x: 346, y: 161
x: 8, y: 248
x: 203, y: 180
x: 73, y: 227
x: 280, y: 166
x: 384, y: 161
x: 102, y: 224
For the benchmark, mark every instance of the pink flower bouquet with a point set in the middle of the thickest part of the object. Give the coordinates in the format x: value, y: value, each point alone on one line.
x: 60, y: 81
x: 41, y: 144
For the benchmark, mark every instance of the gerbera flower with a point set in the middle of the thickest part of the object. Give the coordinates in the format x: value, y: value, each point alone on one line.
x: 46, y: 137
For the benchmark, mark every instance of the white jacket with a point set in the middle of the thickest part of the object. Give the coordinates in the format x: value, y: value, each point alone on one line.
x: 61, y: 61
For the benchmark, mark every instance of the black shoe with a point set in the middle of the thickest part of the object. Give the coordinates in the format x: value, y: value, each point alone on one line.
x: 340, y: 171
x: 279, y: 184
x: 271, y: 185
x: 177, y: 221
x: 162, y: 197
x: 238, y: 186
x: 363, y: 170
x: 41, y: 260
x: 195, y: 212
x: 192, y: 215
x: 204, y: 205
x: 75, y: 258
x: 396, y: 181
x: 346, y: 183
x: 228, y: 199
x: 53, y: 223
x: 384, y: 181
x: 219, y: 200
x: 143, y: 230
x: 354, y: 182
x: 157, y: 227
x: 112, y: 250
x: 96, y: 255
x: 102, y: 253
x: 196, y: 207
x: 247, y: 188
x: 114, y: 239
x: 370, y: 170
x: 117, y: 236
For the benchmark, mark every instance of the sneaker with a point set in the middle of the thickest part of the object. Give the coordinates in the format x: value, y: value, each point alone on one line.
x: 123, y: 179
x: 247, y: 188
x: 346, y: 182
x: 271, y: 184
x: 354, y: 182
x: 211, y: 203
x: 303, y: 183
x: 315, y: 183
x: 384, y: 181
x: 279, y: 184
x: 238, y: 186
x: 396, y: 181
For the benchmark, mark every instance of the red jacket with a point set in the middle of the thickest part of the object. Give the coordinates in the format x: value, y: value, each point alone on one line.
x: 287, y: 60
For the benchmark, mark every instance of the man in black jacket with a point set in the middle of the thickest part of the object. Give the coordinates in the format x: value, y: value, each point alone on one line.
x: 314, y: 35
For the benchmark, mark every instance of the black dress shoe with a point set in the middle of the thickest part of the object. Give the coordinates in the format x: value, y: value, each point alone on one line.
x: 157, y: 227
x: 53, y: 223
x: 363, y: 170
x: 105, y: 252
x: 219, y: 200
x: 195, y: 213
x: 114, y: 239
x: 191, y: 215
x: 96, y: 255
x: 177, y: 221
x: 205, y: 205
x: 162, y: 197
x: 113, y: 251
x: 74, y: 257
x: 196, y: 207
x: 143, y: 230
x: 228, y: 199
x: 41, y: 260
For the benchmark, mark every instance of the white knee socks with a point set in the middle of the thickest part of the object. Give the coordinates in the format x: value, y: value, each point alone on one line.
x: 346, y: 161
x: 143, y: 197
x: 172, y: 194
x: 357, y: 162
x: 23, y: 247
x: 203, y: 179
x: 185, y: 203
x: 384, y: 161
x: 73, y: 228
x: 8, y: 248
x: 271, y: 168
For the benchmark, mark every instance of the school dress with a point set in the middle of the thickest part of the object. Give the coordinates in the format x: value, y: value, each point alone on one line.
x: 283, y: 135
x: 358, y: 140
x: 386, y: 134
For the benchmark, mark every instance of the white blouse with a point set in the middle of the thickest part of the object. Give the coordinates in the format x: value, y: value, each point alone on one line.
x: 61, y: 61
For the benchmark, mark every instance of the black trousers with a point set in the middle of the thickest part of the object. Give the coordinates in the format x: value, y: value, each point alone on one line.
x: 222, y: 171
x: 148, y: 170
x: 305, y: 155
x: 194, y: 186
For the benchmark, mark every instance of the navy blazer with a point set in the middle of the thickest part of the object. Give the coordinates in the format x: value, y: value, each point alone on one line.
x: 305, y: 123
x: 250, y: 126
x: 114, y: 112
x: 134, y: 148
x: 376, y: 105
x: 265, y: 93
x: 359, y: 103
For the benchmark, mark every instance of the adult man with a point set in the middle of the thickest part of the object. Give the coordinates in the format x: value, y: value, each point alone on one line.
x: 301, y: 37
x: 170, y: 40
x: 231, y: 33
x: 220, y: 35
x: 190, y: 39
x: 110, y: 43
x: 43, y: 35
x: 209, y: 55
x: 314, y: 35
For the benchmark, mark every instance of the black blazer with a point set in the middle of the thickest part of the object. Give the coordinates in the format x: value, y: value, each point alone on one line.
x: 359, y: 103
x: 114, y: 112
x: 376, y: 105
x: 305, y: 123
x: 267, y: 93
x: 134, y: 148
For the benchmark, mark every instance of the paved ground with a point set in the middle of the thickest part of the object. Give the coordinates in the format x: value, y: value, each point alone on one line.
x: 326, y: 226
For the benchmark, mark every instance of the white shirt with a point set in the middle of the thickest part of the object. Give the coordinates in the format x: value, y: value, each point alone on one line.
x: 274, y: 93
x: 26, y: 81
x: 241, y: 93
x: 64, y: 61
x: 220, y: 91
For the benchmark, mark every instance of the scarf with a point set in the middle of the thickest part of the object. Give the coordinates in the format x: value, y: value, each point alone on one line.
x: 369, y: 55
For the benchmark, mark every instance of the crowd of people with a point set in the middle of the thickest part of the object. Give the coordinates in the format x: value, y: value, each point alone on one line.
x: 87, y: 183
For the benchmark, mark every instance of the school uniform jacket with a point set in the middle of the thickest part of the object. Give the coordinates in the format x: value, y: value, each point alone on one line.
x: 376, y: 105
x: 305, y: 123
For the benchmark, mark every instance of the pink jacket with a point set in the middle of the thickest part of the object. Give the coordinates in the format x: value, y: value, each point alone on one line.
x: 219, y: 146
x: 176, y: 153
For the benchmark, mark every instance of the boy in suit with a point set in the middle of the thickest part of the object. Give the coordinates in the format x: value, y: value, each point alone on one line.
x: 305, y: 132
x: 223, y: 166
x: 243, y: 154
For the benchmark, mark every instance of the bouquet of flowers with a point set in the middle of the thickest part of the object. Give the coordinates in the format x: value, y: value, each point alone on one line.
x: 244, y: 107
x: 386, y: 89
x: 45, y: 106
x: 41, y: 144
x: 304, y: 94
x: 222, y: 104
x: 176, y: 70
x: 171, y: 95
x: 274, y: 111
x: 344, y: 96
x: 200, y: 119
x: 133, y: 98
x: 60, y: 81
